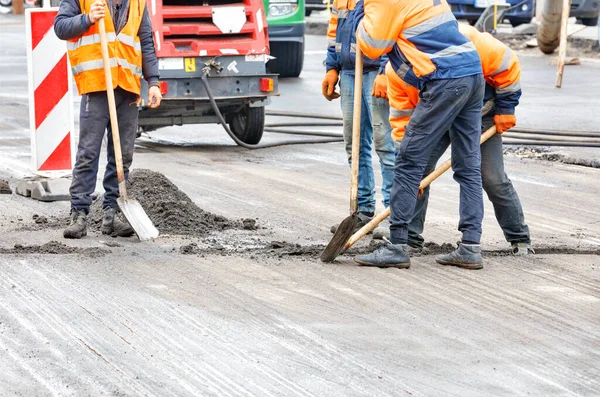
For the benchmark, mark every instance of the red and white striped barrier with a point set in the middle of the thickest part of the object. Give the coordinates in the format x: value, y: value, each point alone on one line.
x: 50, y: 96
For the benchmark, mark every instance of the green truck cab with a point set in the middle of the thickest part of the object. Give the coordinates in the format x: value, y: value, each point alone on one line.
x: 285, y: 19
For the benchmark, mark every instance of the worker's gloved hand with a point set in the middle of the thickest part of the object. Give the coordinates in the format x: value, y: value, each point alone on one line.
x: 504, y: 122
x: 380, y: 87
x: 154, y: 97
x: 96, y: 11
x: 328, y: 85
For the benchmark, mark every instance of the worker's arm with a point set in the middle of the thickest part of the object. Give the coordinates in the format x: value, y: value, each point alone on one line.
x: 380, y: 27
x: 149, y: 60
x: 331, y: 62
x: 403, y: 100
x: 507, y: 82
x: 70, y: 23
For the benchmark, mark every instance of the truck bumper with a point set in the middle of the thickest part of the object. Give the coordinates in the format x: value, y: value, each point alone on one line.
x: 291, y: 32
x: 185, y: 100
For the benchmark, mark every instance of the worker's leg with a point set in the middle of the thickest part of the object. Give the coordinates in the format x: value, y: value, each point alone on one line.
x: 93, y: 120
x: 127, y: 114
x: 465, y: 136
x: 366, y: 180
x: 500, y: 190
x: 384, y: 144
x: 417, y: 223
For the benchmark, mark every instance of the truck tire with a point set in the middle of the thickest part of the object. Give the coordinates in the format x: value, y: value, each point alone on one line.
x: 289, y: 58
x: 590, y: 21
x: 248, y: 124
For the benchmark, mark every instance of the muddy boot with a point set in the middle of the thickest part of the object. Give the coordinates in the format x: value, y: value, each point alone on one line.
x: 522, y: 249
x: 78, y: 226
x: 112, y: 226
x: 390, y: 255
x: 467, y: 256
x: 363, y: 219
x: 382, y: 231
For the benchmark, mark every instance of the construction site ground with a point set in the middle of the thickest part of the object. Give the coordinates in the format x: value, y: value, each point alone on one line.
x: 242, y: 306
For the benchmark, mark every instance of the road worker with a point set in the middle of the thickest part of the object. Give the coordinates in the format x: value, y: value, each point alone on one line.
x: 502, y: 72
x: 132, y: 54
x: 375, y: 128
x: 422, y: 40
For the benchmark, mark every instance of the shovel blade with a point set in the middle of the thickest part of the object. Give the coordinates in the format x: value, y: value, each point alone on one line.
x: 340, y: 238
x: 137, y: 218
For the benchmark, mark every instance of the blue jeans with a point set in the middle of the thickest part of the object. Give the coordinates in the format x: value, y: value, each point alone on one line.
x: 500, y: 191
x: 374, y: 128
x: 94, y: 121
x: 452, y: 105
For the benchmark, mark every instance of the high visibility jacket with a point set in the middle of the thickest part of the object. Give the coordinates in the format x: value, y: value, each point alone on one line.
x: 420, y: 36
x: 341, y: 39
x: 501, y: 70
x: 124, y: 52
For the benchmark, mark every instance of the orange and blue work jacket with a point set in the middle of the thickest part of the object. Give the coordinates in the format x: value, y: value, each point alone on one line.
x: 341, y: 39
x: 501, y: 71
x: 420, y: 37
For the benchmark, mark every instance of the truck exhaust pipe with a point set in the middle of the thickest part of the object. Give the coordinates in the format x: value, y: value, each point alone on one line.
x: 548, y: 34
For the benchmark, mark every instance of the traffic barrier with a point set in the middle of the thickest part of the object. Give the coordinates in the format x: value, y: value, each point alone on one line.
x: 50, y: 96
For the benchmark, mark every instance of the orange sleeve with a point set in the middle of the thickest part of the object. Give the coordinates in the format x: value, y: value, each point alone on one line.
x: 403, y: 100
x: 379, y: 29
x: 333, y: 23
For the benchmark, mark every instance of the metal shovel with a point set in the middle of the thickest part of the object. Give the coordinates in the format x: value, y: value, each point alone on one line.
x: 424, y: 183
x: 132, y: 209
x: 346, y: 228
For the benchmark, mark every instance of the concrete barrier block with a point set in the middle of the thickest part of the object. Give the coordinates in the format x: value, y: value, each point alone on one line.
x: 45, y: 189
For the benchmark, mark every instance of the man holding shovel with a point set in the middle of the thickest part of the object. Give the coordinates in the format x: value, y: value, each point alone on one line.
x: 132, y: 54
x: 374, y: 121
x: 502, y: 72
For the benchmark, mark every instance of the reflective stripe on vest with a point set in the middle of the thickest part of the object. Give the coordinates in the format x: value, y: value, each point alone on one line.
x: 401, y: 113
x: 371, y: 42
x: 110, y: 38
x: 429, y: 24
x: 453, y: 50
x: 505, y: 64
x: 99, y: 64
x: 516, y: 86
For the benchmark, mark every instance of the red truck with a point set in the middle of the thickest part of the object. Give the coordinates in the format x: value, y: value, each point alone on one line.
x: 224, y: 42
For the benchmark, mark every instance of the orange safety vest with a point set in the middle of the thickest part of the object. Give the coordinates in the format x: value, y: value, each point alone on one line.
x: 124, y: 52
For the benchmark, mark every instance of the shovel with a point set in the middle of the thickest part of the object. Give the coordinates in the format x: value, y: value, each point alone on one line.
x: 346, y: 228
x: 334, y: 251
x: 132, y: 209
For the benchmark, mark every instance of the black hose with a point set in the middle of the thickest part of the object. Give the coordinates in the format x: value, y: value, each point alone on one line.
x: 272, y: 125
x: 283, y: 113
x: 302, y: 132
x: 581, y: 134
x: 237, y: 140
x: 519, y: 142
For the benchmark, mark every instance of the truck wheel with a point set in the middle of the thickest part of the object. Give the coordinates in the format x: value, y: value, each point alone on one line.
x: 289, y: 58
x: 248, y: 124
x: 590, y: 21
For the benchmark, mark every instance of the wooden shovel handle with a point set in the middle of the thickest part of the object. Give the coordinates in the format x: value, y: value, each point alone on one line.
x: 424, y: 183
x: 112, y: 108
x: 358, y: 79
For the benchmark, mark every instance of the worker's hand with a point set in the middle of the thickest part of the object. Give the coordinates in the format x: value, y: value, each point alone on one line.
x: 504, y: 122
x: 97, y: 11
x: 380, y: 87
x: 328, y: 85
x: 154, y: 97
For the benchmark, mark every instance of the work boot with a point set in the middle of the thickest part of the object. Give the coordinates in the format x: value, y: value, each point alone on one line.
x: 522, y: 249
x: 390, y: 255
x: 112, y: 226
x: 363, y: 219
x: 467, y: 256
x: 382, y: 231
x: 78, y: 226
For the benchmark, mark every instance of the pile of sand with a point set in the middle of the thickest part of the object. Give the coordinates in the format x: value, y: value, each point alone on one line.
x: 171, y: 210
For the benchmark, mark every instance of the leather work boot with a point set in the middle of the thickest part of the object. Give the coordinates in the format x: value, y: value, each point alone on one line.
x: 382, y: 231
x: 363, y: 219
x: 78, y: 226
x: 112, y: 226
x: 390, y: 255
x: 522, y: 249
x: 467, y: 256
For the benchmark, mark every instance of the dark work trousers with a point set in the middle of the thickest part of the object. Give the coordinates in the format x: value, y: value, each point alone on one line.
x: 452, y: 105
x: 94, y: 121
x: 497, y: 185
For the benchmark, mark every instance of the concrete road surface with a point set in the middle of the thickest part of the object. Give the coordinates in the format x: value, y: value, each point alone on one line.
x: 123, y: 318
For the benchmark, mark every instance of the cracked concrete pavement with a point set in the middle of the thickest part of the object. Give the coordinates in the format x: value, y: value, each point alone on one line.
x: 145, y: 319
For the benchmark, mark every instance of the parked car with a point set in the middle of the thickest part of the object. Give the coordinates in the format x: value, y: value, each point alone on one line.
x: 586, y: 11
x: 471, y: 10
x: 316, y: 5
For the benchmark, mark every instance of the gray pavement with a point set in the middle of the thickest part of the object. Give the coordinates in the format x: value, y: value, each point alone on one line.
x: 146, y: 320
